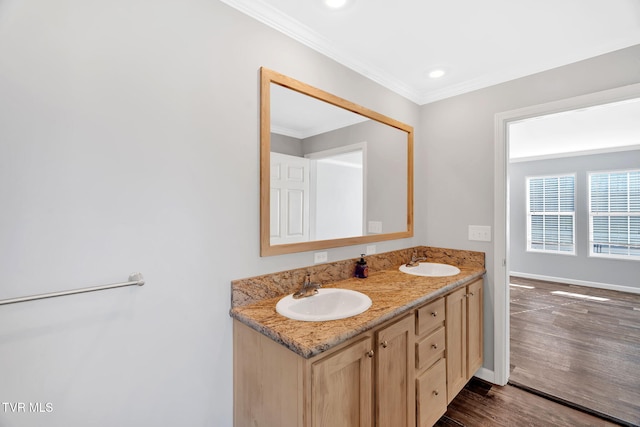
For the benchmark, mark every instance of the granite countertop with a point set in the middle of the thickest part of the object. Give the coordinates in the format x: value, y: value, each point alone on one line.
x: 392, y: 293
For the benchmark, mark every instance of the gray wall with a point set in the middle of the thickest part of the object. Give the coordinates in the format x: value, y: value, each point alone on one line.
x: 455, y: 152
x: 286, y: 145
x: 579, y: 267
x: 129, y: 141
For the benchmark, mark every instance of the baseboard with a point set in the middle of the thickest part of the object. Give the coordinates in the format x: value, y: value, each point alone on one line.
x: 585, y: 283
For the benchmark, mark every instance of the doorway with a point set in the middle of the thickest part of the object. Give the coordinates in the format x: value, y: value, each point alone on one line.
x: 502, y: 219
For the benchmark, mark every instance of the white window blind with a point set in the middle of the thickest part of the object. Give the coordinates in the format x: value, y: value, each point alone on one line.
x: 551, y: 214
x: 614, y: 214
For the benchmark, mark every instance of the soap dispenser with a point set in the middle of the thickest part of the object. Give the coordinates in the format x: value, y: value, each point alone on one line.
x: 362, y: 269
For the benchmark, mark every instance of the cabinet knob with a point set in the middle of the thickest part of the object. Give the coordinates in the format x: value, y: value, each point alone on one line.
x: 434, y: 346
x: 436, y: 392
x: 384, y: 344
x: 434, y: 313
x: 370, y: 353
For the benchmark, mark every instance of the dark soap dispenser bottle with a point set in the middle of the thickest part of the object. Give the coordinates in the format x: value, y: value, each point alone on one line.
x: 362, y: 269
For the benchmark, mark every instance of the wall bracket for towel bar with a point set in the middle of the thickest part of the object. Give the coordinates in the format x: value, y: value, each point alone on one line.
x: 135, y: 279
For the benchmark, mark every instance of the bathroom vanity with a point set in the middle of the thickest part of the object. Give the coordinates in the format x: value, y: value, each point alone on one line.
x: 397, y: 364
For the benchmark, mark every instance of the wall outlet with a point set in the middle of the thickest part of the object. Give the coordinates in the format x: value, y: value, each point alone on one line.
x: 480, y: 233
x: 319, y: 257
x: 374, y: 227
x: 371, y: 249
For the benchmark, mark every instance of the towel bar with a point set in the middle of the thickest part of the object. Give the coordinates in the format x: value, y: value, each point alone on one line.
x: 134, y: 279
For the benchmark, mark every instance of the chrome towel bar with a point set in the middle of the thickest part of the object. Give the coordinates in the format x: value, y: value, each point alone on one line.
x: 134, y: 279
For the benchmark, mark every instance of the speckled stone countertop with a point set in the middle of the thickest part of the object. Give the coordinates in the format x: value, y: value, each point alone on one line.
x: 392, y: 293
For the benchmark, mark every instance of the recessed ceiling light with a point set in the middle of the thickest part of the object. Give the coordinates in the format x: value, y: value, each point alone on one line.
x: 335, y: 4
x: 437, y: 73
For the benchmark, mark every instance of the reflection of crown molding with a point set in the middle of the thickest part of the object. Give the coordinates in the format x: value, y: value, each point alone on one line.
x: 575, y: 153
x: 309, y: 132
x: 273, y: 18
x: 280, y: 130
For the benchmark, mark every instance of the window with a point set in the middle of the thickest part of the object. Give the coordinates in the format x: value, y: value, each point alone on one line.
x: 614, y: 214
x: 551, y: 214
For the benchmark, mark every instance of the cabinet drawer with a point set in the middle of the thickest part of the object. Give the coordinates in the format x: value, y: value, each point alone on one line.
x: 430, y: 316
x: 431, y: 390
x: 430, y: 349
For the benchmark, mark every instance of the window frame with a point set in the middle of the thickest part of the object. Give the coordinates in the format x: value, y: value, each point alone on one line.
x: 629, y: 214
x: 530, y: 214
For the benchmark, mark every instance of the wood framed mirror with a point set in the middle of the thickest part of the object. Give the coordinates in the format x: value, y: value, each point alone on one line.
x: 332, y: 173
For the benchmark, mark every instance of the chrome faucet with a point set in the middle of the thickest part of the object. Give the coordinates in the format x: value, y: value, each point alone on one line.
x: 308, y: 288
x: 415, y: 261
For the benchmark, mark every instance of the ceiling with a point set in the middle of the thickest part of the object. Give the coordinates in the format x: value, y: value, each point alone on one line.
x: 599, y: 129
x: 477, y: 43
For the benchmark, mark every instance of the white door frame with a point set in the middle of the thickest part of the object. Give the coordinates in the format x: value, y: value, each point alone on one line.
x: 501, y: 206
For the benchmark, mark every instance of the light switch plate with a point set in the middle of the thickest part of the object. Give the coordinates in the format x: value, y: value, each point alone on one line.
x: 371, y: 249
x: 480, y: 233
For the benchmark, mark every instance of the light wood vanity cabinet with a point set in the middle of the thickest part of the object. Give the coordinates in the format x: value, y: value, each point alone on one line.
x: 395, y: 375
x: 365, y: 382
x: 463, y: 336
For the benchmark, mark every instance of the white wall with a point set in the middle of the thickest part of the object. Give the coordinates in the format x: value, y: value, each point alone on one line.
x: 129, y: 137
x: 455, y: 153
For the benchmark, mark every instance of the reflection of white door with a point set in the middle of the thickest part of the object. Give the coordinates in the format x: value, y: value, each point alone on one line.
x: 289, y: 199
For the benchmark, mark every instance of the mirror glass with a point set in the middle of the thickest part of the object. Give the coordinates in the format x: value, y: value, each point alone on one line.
x: 333, y: 173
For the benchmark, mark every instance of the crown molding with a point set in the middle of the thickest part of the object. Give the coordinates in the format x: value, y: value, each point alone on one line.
x: 273, y: 18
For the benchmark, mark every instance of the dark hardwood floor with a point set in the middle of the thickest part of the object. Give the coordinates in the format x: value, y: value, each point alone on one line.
x: 482, y: 404
x: 579, y: 350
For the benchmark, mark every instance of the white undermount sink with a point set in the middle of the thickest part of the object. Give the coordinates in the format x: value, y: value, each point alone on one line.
x: 432, y: 269
x: 327, y: 304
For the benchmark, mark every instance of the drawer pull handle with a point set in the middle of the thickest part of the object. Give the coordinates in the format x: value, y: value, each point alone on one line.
x: 384, y: 344
x: 434, y: 346
x: 436, y: 392
x: 470, y: 294
x: 434, y: 313
x: 370, y: 353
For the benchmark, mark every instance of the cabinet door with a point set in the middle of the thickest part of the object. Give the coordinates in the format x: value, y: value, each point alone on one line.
x: 456, y: 332
x: 395, y: 368
x: 342, y: 390
x: 474, y: 327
